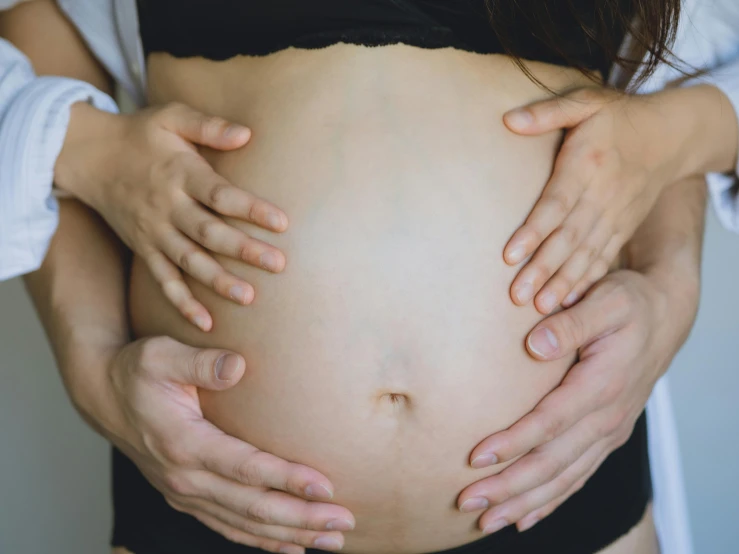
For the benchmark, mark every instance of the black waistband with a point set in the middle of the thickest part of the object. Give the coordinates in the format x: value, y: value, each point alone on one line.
x: 611, y: 503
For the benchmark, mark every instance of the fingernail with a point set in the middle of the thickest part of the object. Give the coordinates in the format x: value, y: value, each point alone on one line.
x: 236, y: 131
x: 200, y: 322
x: 526, y: 525
x: 547, y: 301
x: 474, y: 504
x: 524, y: 292
x: 495, y: 526
x: 238, y: 294
x: 339, y: 525
x: 227, y: 366
x: 543, y: 342
x: 484, y: 460
x: 318, y: 491
x: 275, y: 221
x: 270, y: 261
x: 327, y: 543
x: 516, y: 255
x: 571, y: 299
x: 519, y: 118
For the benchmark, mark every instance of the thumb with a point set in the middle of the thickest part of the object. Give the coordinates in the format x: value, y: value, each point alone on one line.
x: 211, y: 369
x: 567, y: 331
x: 563, y: 112
x: 198, y: 128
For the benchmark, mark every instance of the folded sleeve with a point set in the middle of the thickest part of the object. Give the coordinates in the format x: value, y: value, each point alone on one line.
x: 34, y: 116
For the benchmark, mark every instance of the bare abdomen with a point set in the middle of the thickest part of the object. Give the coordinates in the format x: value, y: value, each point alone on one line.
x: 389, y: 347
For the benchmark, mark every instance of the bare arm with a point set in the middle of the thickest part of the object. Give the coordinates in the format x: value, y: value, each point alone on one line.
x: 120, y: 387
x: 627, y: 329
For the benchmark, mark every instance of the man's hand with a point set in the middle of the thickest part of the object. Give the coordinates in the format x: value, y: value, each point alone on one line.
x: 626, y: 347
x: 249, y: 496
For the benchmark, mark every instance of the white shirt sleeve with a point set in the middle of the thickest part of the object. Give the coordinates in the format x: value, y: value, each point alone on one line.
x: 34, y: 116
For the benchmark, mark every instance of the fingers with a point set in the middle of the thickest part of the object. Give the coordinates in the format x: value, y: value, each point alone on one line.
x: 211, y: 369
x: 590, y: 253
x: 531, y: 519
x: 554, y: 252
x: 198, y: 128
x: 226, y: 199
x: 557, y: 113
x: 219, y: 237
x: 300, y: 537
x: 270, y: 507
x: 517, y: 508
x: 238, y: 461
x: 556, y: 202
x: 194, y: 261
x: 555, y: 415
x: 595, y: 272
x: 176, y: 290
x: 240, y: 537
x: 563, y: 333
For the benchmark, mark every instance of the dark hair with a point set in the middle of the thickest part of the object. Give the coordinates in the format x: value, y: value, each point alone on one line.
x: 652, y: 25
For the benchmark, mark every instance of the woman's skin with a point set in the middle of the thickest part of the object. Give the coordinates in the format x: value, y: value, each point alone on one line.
x: 89, y: 339
x: 618, y: 324
x: 620, y: 151
x: 392, y: 315
x: 142, y: 173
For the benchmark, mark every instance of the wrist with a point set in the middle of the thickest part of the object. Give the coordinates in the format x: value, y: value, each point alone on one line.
x: 84, y: 155
x: 707, y: 132
x: 85, y: 367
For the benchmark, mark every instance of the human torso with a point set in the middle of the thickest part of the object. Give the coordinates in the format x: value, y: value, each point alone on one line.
x: 389, y: 346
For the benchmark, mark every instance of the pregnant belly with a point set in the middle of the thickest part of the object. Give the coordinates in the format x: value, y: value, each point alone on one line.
x: 389, y: 346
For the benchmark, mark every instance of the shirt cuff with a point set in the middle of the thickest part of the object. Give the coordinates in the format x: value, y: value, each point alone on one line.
x: 32, y: 134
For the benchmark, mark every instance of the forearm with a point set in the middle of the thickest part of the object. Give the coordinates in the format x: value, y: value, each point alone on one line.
x: 710, y: 139
x: 667, y: 247
x: 79, y: 294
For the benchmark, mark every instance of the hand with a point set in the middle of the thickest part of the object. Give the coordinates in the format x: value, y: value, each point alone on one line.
x: 249, y: 496
x: 144, y: 175
x: 618, y: 155
x: 624, y: 347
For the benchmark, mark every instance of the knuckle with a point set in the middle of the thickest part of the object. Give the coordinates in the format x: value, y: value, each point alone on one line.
x: 175, y: 505
x: 217, y: 195
x: 179, y: 483
x: 570, y: 328
x: 550, y: 428
x: 205, y: 231
x: 558, y: 203
x: 187, y: 258
x: 569, y: 234
x: 175, y: 453
x: 249, y: 473
x: 151, y: 353
x: 259, y: 511
x: 586, y: 95
x: 201, y: 365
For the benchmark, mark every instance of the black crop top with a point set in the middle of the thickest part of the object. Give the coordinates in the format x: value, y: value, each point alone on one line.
x: 221, y: 29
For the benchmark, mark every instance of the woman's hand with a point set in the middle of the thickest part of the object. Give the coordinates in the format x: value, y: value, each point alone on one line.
x: 249, y: 496
x: 144, y: 175
x: 626, y: 347
x: 618, y: 155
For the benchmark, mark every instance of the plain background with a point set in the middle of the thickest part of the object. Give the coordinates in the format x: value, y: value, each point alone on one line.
x: 54, y: 471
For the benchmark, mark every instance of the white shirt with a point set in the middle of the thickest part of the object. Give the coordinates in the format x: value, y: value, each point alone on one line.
x: 34, y: 115
x: 34, y: 112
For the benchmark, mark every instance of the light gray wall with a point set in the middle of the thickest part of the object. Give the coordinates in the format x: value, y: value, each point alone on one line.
x: 54, y: 492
